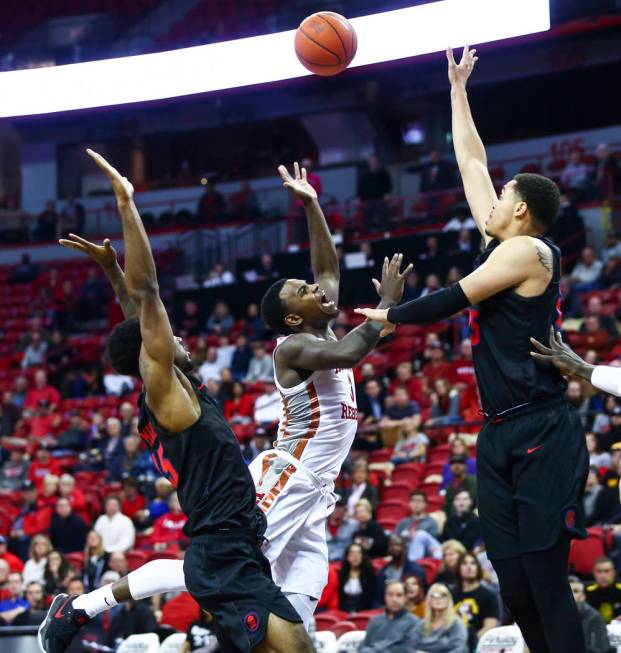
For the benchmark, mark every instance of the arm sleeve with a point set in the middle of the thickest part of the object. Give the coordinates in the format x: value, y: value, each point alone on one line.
x: 431, y: 308
x: 608, y: 379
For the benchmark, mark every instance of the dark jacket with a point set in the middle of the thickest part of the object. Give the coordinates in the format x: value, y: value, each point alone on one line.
x: 133, y: 619
x: 68, y: 534
x: 372, y: 539
x: 409, y: 568
x: 93, y: 571
x: 370, y: 494
x: 363, y: 601
x: 400, y: 634
x: 594, y: 627
x: 466, y: 529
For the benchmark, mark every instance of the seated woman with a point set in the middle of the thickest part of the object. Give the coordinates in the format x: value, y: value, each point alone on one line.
x: 356, y: 581
x: 239, y: 409
x: 34, y: 569
x: 442, y: 630
x: 369, y: 534
x: 415, y: 596
x: 445, y: 402
x: 451, y: 551
x: 95, y: 561
x: 457, y: 447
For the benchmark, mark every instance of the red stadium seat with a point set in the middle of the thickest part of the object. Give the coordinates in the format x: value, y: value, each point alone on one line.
x: 380, y: 455
x: 326, y: 620
x: 388, y: 523
x: 136, y: 558
x: 584, y: 553
x: 76, y: 559
x: 431, y: 567
x: 399, y: 492
x: 342, y: 627
x: 392, y: 510
x: 379, y: 563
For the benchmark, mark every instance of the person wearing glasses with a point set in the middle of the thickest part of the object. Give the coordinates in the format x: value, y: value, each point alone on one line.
x: 443, y: 631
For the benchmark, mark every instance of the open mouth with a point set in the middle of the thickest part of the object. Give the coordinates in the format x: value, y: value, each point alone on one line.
x: 324, y: 301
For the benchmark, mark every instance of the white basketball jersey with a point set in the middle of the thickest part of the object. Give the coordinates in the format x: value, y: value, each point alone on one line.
x: 319, y: 420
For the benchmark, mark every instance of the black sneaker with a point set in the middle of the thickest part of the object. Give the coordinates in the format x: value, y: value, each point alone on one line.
x: 61, y: 623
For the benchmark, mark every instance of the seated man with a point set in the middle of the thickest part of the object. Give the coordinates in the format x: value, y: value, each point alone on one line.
x: 593, y: 624
x: 463, y: 525
x: 398, y: 568
x: 15, y: 604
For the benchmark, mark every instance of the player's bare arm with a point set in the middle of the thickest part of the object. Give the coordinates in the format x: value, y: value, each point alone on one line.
x: 561, y: 355
x: 324, y: 260
x: 168, y: 393
x: 306, y: 352
x: 522, y: 263
x: 106, y: 257
x: 469, y: 148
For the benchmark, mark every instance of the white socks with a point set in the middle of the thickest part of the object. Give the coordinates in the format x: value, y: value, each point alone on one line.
x: 155, y: 577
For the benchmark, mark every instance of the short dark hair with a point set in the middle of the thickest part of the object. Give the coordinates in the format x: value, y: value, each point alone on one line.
x: 124, y: 345
x: 273, y: 309
x: 418, y: 493
x: 542, y: 197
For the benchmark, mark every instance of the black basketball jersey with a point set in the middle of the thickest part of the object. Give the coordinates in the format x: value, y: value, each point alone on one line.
x: 500, y: 327
x: 205, y: 465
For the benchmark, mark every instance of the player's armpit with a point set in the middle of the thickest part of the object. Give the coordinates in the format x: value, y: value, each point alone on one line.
x: 512, y: 263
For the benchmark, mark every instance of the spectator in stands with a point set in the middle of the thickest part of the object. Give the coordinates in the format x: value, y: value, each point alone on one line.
x: 93, y: 296
x: 41, y: 390
x: 418, y: 521
x: 457, y: 447
x: 20, y: 392
x: 47, y: 222
x: 127, y: 413
x: 95, y: 561
x: 452, y: 550
x: 111, y: 446
x: 462, y: 367
x: 607, y: 172
x: 67, y: 488
x: 240, y: 360
x: 595, y: 308
x: 132, y: 462
x: 611, y: 274
x: 395, y: 631
x: 360, y: 487
x: 411, y: 445
x: 443, y: 631
x: 29, y: 521
x: 432, y: 260
x: 118, y: 562
x: 167, y: 529
x: 605, y: 593
x: 463, y: 525
x: 72, y: 217
x: 75, y: 586
x: 211, y: 368
x: 404, y: 377
x: 595, y: 336
x: 200, y: 635
x: 225, y: 353
x: 35, y: 352
x: 254, y: 326
x: 4, y: 578
x: 401, y: 411
x: 218, y: 276
x: 398, y: 568
x: 14, y: 471
x: 371, y: 403
x: 239, y: 409
x: 131, y: 618
x: 593, y: 625
x: 267, y: 408
x: 576, y: 395
x: 570, y: 299
x: 474, y: 604
x: 261, y: 367
x: 189, y: 322
x: 412, y: 288
x: 35, y: 613
x: 374, y: 187
x: 461, y: 220
x: 266, y: 271
x: 576, y: 178
x: 445, y: 401
x: 597, y: 457
x: 356, y: 581
x: 67, y: 530
x: 211, y: 205
x: 42, y: 466
x: 369, y: 535
x: 437, y: 367
x: 585, y: 275
x: 73, y: 438
x: 244, y: 204
x: 116, y: 529
x: 461, y: 481
x: 25, y: 271
x: 159, y: 504
x: 220, y: 322
x: 15, y: 604
x: 132, y: 499
x: 339, y: 531
x: 117, y: 384
x: 15, y: 564
x: 594, y: 498
x: 56, y: 569
x: 34, y: 569
x: 415, y: 595
x: 437, y: 174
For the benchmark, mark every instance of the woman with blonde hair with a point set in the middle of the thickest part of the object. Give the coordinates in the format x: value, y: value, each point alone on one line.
x: 442, y: 631
x: 95, y: 561
x: 451, y: 551
x: 34, y: 569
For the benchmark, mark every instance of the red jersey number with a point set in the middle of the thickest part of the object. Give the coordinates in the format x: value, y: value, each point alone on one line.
x: 475, y: 331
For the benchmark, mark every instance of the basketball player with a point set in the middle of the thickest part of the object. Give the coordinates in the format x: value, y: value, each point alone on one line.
x: 306, y: 492
x: 532, y: 461
x: 193, y: 446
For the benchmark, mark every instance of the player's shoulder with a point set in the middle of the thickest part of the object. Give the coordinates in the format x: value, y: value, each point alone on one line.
x: 523, y: 249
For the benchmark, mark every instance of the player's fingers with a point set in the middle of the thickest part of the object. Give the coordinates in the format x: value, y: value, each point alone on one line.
x: 377, y: 284
x: 385, y: 266
x: 79, y: 239
x: 70, y: 244
x: 304, y: 174
x: 540, y: 347
x: 284, y: 173
x: 107, y: 244
x: 450, y: 56
x: 296, y: 169
x: 407, y: 270
x: 540, y: 357
x: 362, y: 311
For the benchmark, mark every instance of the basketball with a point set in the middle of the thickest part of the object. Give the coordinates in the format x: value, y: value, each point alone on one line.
x: 326, y: 43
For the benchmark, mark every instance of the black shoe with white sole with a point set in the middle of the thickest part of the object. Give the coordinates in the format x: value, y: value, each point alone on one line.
x: 60, y: 625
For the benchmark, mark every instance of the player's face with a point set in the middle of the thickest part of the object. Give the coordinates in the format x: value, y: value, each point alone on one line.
x: 503, y: 211
x: 183, y: 359
x: 307, y: 304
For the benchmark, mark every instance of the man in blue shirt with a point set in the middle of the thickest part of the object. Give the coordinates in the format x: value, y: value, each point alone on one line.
x: 16, y: 603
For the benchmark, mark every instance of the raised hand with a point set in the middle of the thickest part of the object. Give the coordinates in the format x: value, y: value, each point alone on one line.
x: 298, y: 184
x: 561, y: 355
x: 122, y: 187
x: 104, y: 254
x: 390, y: 290
x: 459, y: 73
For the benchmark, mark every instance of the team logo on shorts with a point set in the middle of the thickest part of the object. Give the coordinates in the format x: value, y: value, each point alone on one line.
x: 251, y: 621
x: 570, y: 518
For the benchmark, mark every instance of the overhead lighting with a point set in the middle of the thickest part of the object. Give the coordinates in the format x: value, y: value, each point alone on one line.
x: 386, y: 36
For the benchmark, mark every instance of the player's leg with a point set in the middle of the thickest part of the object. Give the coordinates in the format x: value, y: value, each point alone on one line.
x: 518, y: 597
x: 547, y: 576
x: 282, y: 636
x: 68, y: 614
x: 305, y: 606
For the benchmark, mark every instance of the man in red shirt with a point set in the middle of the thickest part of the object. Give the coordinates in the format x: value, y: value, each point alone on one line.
x: 133, y: 501
x: 438, y: 367
x: 462, y: 368
x: 67, y: 488
x: 405, y: 378
x: 167, y: 529
x: 15, y: 564
x: 41, y: 391
x: 43, y: 465
x: 43, y: 423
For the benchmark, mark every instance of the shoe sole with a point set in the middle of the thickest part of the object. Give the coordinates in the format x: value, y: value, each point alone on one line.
x: 48, y: 618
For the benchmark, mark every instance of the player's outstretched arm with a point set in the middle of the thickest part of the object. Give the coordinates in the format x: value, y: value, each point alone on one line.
x: 469, y: 148
x: 324, y: 260
x: 304, y: 351
x: 105, y: 256
x: 173, y: 407
x: 512, y: 263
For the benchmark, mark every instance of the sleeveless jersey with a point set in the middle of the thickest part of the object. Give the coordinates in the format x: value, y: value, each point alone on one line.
x: 319, y: 420
x: 507, y: 375
x: 205, y: 465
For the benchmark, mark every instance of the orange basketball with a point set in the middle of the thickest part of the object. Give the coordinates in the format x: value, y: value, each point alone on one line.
x: 326, y: 43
